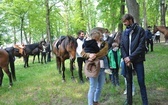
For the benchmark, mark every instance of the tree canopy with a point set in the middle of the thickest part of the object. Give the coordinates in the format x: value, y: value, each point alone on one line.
x: 28, y: 21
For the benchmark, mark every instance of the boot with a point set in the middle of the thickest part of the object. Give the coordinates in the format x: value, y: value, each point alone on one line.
x: 96, y: 103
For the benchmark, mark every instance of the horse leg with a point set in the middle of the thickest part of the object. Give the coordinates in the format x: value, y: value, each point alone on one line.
x: 71, y: 68
x: 34, y: 56
x: 28, y: 61
x: 1, y: 76
x: 42, y: 57
x: 45, y: 58
x: 58, y: 62
x: 38, y: 55
x: 12, y: 67
x: 63, y: 71
x: 24, y: 61
x: 6, y: 69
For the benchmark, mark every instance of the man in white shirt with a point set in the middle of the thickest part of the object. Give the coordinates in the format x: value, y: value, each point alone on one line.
x: 157, y: 37
x: 80, y: 59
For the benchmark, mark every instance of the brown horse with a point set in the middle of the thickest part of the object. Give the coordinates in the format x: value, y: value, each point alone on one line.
x: 163, y: 30
x: 5, y: 59
x: 66, y: 50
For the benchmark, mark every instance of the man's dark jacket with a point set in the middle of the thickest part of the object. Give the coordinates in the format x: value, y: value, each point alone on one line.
x: 137, y: 44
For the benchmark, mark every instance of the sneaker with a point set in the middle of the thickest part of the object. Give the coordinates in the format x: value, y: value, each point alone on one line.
x: 108, y: 71
x: 125, y: 92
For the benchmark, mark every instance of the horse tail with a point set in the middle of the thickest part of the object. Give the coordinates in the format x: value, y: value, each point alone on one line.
x: 12, y: 66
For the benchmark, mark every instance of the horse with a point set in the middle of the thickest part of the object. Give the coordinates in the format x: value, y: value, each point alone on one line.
x: 163, y: 30
x: 66, y: 50
x: 35, y: 52
x: 5, y: 60
x: 19, y: 52
x: 26, y: 50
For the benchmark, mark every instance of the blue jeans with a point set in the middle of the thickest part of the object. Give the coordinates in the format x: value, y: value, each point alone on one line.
x: 96, y: 84
x: 139, y: 68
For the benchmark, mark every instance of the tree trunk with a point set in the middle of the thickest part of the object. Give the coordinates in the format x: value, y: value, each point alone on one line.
x: 133, y: 9
x: 122, y: 9
x: 48, y: 23
x: 163, y: 12
x: 21, y: 29
x: 144, y: 15
x: 14, y: 34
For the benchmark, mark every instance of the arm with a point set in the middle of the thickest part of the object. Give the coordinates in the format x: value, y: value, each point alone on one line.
x: 98, y: 55
x: 103, y: 51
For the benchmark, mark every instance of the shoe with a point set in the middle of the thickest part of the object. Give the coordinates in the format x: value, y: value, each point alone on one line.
x: 125, y: 92
x: 96, y: 103
x: 108, y: 71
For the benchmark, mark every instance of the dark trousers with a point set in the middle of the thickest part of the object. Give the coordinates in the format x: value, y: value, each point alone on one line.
x: 149, y: 41
x: 139, y: 68
x: 43, y: 57
x: 80, y: 62
x: 115, y: 77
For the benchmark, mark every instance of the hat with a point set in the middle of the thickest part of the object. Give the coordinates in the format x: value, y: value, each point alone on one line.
x: 92, y: 68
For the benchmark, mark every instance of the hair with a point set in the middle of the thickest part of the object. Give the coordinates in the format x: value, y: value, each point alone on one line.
x: 79, y: 32
x: 95, y: 34
x: 128, y: 17
x: 115, y: 44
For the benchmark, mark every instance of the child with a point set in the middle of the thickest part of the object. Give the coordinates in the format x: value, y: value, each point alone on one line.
x: 90, y: 44
x: 114, y: 56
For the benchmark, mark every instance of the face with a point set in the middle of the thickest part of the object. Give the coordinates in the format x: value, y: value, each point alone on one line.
x: 82, y: 35
x: 127, y: 22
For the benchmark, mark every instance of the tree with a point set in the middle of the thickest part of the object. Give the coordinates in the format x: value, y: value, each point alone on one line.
x: 133, y: 9
x: 163, y: 6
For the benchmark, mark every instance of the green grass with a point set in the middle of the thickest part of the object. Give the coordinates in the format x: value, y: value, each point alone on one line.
x: 41, y: 84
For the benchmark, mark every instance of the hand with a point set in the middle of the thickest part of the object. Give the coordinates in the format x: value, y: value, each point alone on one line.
x: 127, y: 59
x: 92, y: 57
x: 128, y: 64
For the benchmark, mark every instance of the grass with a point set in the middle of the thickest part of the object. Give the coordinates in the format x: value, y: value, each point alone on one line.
x: 41, y: 84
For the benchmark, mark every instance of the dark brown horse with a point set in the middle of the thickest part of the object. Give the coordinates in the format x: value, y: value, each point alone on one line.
x: 27, y: 50
x: 66, y: 50
x: 5, y: 60
x: 163, y: 30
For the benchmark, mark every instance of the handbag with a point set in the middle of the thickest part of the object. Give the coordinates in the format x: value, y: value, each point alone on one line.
x: 92, y: 68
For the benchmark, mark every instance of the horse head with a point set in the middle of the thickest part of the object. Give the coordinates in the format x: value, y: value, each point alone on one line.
x: 71, y: 46
x: 155, y: 29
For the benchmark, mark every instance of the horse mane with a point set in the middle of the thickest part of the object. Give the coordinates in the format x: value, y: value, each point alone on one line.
x: 72, y: 39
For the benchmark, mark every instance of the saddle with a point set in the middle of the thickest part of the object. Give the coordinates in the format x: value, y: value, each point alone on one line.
x: 60, y: 41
